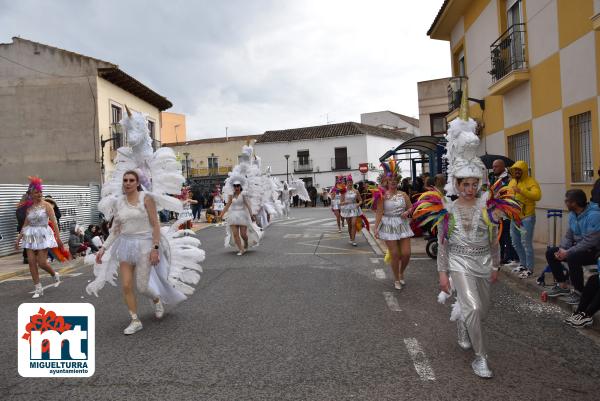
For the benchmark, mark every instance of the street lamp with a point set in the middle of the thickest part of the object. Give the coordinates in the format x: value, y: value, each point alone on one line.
x: 187, y: 167
x: 287, y: 164
x: 458, y: 84
x: 102, y: 143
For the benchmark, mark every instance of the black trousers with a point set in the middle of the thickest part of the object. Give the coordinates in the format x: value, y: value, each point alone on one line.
x: 507, y: 252
x: 590, y: 298
x: 576, y: 261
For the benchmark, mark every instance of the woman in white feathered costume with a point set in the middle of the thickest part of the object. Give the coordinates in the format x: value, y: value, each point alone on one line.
x: 243, y: 192
x: 164, y: 262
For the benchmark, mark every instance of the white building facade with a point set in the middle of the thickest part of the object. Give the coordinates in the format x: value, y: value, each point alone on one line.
x: 318, y: 154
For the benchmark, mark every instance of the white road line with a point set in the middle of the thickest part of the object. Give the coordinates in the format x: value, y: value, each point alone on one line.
x: 307, y: 223
x: 376, y: 260
x: 293, y: 221
x: 380, y: 274
x: 391, y: 301
x: 422, y: 366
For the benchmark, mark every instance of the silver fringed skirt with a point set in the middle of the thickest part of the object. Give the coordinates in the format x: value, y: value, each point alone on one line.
x: 38, y: 237
x: 394, y: 228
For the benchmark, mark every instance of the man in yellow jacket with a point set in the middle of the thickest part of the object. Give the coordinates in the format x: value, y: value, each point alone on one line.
x: 527, y: 193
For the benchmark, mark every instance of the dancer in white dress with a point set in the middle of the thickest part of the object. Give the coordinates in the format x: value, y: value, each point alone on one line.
x: 238, y: 216
x: 392, y: 222
x: 350, y: 208
x: 37, y: 235
x: 165, y: 261
x: 218, y: 206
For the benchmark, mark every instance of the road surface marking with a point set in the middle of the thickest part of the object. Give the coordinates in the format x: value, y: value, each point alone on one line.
x: 380, y: 274
x: 422, y: 366
x: 292, y: 236
x: 28, y: 277
x: 293, y: 221
x: 391, y: 301
x: 307, y: 223
x: 376, y: 260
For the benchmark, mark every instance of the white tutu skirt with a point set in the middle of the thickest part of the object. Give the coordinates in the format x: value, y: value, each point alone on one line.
x: 394, y: 228
x: 350, y: 211
x: 335, y: 205
x: 38, y: 237
x: 254, y: 236
x: 238, y: 218
x: 129, y: 248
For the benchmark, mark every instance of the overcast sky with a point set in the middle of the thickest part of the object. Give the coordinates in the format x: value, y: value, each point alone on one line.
x: 251, y: 65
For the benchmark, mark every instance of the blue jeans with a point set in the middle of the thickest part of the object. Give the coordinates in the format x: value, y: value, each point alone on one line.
x: 523, y: 241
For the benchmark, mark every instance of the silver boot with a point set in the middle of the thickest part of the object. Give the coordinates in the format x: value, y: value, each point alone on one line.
x: 463, y: 336
x: 481, y: 368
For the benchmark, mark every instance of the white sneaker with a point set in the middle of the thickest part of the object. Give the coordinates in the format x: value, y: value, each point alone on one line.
x: 240, y: 253
x: 397, y: 285
x: 133, y: 327
x: 39, y: 291
x: 56, y: 278
x: 159, y: 309
x: 354, y: 244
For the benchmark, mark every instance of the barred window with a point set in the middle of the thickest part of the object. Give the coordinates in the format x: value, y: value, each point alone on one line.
x: 518, y: 147
x: 580, y: 134
x: 116, y: 130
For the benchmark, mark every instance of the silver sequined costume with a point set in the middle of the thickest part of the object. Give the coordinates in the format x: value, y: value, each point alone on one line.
x: 469, y: 255
x: 393, y: 226
x: 38, y: 234
x: 350, y: 208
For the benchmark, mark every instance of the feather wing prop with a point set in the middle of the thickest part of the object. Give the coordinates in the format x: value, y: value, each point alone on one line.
x: 501, y: 204
x: 430, y: 208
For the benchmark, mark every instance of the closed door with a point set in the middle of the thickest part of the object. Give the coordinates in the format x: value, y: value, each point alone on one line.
x: 341, y: 158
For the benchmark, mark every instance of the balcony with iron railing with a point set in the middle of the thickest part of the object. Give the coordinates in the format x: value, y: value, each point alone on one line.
x: 508, y: 60
x: 303, y: 165
x: 340, y: 163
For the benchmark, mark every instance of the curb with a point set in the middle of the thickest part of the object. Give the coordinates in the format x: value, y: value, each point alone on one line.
x: 373, y: 242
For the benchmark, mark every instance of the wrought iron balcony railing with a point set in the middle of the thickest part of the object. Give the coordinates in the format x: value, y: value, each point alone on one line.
x: 508, y: 52
x: 303, y: 165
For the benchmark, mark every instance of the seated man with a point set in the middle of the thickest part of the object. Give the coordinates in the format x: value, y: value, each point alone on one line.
x: 579, y: 247
x: 588, y: 306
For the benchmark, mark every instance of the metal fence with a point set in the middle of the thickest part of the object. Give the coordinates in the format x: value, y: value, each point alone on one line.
x: 580, y: 131
x: 508, y: 52
x: 77, y: 204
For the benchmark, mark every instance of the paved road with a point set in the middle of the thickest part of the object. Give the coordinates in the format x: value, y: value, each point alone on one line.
x: 308, y: 317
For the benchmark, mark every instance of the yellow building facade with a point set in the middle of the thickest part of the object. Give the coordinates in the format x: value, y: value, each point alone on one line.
x: 536, y: 65
x: 211, y: 156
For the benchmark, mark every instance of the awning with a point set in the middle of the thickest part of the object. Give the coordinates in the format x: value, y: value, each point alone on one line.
x: 420, y: 143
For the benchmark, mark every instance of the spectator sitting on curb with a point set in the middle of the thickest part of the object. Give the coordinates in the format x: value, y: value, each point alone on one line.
x: 579, y: 247
x: 88, y: 235
x: 76, y: 245
x: 588, y: 306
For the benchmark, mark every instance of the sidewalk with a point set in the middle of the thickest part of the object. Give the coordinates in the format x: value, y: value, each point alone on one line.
x: 12, y: 265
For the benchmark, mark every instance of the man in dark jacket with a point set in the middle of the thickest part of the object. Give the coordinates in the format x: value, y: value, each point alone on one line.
x: 579, y: 247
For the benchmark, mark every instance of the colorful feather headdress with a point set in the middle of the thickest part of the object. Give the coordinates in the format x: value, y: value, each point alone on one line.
x: 390, y: 170
x: 35, y: 184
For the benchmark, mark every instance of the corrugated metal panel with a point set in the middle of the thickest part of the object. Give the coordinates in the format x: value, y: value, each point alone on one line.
x: 78, y: 204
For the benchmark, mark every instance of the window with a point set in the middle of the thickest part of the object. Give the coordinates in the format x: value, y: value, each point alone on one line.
x: 580, y: 134
x: 461, y: 63
x: 303, y: 157
x: 115, y: 128
x: 458, y: 62
x: 340, y: 162
x: 518, y: 147
x: 213, y: 165
x: 438, y: 124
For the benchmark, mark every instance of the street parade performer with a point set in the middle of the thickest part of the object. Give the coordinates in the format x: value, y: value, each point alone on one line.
x: 165, y: 261
x: 40, y: 235
x: 392, y: 224
x: 243, y: 203
x: 336, y: 200
x: 467, y: 229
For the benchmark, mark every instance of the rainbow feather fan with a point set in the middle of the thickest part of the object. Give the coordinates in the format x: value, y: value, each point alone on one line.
x: 430, y: 209
x: 501, y: 204
x: 377, y: 193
